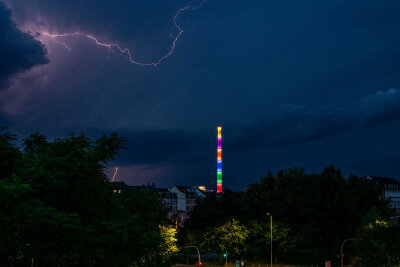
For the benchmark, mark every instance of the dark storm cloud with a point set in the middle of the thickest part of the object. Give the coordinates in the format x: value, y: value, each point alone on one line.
x: 161, y: 146
x: 295, y: 124
x: 155, y: 146
x: 64, y: 15
x: 18, y: 50
x: 5, y: 119
x: 298, y: 124
x: 381, y: 108
x: 147, y: 24
x: 237, y: 64
x: 380, y: 166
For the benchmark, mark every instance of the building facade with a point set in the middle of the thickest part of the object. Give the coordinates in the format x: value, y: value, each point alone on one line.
x: 179, y: 200
x: 390, y: 190
x: 186, y: 200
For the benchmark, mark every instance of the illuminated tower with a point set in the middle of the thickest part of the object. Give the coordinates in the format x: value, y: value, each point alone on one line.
x: 219, y: 161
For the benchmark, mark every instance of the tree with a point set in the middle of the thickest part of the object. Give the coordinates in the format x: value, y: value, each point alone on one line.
x: 10, y: 156
x: 168, y: 247
x: 57, y: 208
x: 377, y: 242
x: 207, y: 214
x: 259, y: 239
x: 229, y: 237
x: 28, y: 227
x: 322, y: 209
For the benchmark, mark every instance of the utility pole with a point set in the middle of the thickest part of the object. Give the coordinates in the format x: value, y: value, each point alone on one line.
x: 270, y: 223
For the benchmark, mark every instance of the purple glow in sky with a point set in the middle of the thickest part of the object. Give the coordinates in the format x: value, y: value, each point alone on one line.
x: 126, y: 51
x: 295, y: 83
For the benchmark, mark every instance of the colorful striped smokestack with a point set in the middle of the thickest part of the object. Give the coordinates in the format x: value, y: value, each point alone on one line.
x: 219, y: 161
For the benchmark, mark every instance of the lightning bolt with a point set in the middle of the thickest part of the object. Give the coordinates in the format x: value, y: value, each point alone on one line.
x: 126, y: 51
x: 115, y: 174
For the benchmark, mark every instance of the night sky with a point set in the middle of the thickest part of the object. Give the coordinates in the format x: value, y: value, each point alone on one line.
x: 293, y: 83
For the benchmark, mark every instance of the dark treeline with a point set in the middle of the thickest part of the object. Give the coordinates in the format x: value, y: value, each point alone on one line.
x: 57, y: 209
x: 312, y: 215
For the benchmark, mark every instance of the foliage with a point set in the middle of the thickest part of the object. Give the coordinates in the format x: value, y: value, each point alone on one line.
x: 168, y: 248
x: 312, y: 213
x: 229, y: 237
x: 9, y: 154
x: 322, y: 209
x: 259, y: 240
x: 207, y: 214
x: 57, y: 208
x: 378, y: 242
x: 26, y: 225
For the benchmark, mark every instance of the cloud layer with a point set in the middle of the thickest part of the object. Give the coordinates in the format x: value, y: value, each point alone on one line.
x: 19, y: 51
x: 296, y: 81
x: 295, y: 125
x: 299, y: 123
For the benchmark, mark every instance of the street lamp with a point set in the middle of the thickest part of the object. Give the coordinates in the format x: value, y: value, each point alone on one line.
x: 341, y: 250
x: 270, y: 223
x: 198, y: 254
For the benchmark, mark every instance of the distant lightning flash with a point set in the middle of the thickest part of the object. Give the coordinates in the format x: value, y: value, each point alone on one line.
x: 115, y: 174
x: 126, y: 51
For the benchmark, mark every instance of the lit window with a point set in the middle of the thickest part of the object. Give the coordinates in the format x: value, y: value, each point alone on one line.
x: 115, y: 191
x: 119, y: 191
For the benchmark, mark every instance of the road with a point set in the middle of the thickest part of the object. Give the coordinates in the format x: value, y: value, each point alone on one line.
x: 233, y: 265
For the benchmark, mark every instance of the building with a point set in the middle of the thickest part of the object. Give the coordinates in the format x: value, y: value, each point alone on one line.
x: 170, y: 200
x: 118, y: 187
x: 187, y: 197
x: 390, y: 190
x: 179, y: 200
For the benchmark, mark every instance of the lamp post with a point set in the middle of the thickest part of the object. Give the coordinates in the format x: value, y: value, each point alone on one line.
x: 198, y: 254
x: 341, y: 250
x: 270, y: 223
